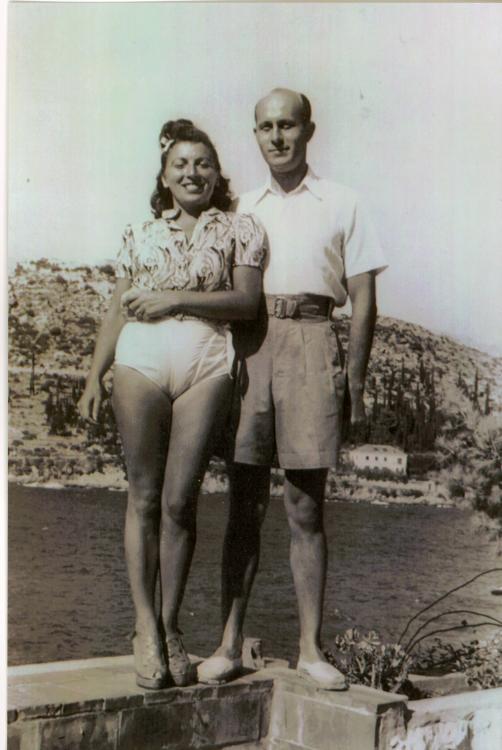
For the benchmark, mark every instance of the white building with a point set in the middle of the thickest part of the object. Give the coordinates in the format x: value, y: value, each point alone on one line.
x: 379, y: 457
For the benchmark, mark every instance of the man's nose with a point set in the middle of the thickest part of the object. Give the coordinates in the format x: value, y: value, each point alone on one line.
x: 276, y: 135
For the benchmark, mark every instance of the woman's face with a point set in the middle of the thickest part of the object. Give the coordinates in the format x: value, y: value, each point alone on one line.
x: 191, y: 175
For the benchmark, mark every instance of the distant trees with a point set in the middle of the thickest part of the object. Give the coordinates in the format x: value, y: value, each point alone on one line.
x: 62, y: 415
x: 478, y: 397
x: 30, y: 340
x: 45, y: 264
x: 61, y: 405
x: 404, y: 409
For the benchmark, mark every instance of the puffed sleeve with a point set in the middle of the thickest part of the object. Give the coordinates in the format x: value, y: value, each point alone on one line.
x: 124, y: 261
x: 250, y: 246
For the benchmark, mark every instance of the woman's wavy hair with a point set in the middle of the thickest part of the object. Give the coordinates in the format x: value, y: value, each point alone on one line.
x: 185, y: 130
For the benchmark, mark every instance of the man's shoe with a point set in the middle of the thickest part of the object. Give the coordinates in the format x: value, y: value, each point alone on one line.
x: 322, y: 675
x: 218, y: 669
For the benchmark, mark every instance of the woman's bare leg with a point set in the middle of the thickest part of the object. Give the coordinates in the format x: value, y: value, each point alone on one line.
x: 143, y: 414
x: 195, y: 418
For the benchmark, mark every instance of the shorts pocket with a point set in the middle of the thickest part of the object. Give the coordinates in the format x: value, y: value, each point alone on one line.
x: 335, y: 357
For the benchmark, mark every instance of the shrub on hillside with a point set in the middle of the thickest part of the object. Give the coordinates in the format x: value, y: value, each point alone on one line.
x: 107, y: 269
x: 455, y: 488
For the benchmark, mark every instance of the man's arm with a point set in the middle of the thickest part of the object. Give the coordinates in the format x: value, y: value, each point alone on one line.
x: 362, y: 293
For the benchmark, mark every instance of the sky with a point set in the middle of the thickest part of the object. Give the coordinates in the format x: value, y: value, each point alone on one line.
x: 406, y: 99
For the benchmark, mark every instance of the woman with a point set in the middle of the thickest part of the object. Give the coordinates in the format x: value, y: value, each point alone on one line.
x: 180, y: 278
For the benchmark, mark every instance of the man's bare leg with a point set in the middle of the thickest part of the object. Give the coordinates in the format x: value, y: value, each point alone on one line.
x: 304, y: 503
x: 249, y: 497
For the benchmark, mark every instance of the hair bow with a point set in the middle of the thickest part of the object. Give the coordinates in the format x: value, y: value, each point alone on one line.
x: 165, y: 144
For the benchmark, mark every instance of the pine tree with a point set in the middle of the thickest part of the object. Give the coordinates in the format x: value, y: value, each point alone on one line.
x: 422, y: 371
x: 476, y: 388
x: 49, y: 407
x: 389, y: 388
x: 487, y: 400
x: 32, y: 374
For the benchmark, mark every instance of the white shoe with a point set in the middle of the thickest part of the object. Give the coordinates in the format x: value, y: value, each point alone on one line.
x: 218, y: 669
x: 322, y: 675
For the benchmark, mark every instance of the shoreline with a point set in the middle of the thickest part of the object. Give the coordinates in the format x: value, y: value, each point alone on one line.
x: 211, y: 485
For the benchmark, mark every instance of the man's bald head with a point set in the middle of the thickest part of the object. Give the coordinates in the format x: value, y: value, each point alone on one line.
x: 283, y: 129
x: 296, y: 98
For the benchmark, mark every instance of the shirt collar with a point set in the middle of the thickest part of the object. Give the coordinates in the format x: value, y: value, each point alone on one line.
x: 171, y: 214
x: 309, y: 182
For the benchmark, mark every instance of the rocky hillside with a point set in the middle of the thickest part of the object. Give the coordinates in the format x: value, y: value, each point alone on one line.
x: 424, y: 392
x: 62, y: 306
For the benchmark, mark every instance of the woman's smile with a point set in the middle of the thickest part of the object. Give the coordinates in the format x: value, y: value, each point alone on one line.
x: 191, y: 175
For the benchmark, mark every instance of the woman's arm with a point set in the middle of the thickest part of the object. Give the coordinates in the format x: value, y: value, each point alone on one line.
x: 239, y: 303
x: 104, y: 352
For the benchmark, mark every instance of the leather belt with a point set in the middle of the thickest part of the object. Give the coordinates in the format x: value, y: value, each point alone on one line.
x: 299, y: 306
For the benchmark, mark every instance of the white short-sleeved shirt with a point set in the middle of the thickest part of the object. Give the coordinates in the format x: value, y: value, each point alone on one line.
x: 318, y: 235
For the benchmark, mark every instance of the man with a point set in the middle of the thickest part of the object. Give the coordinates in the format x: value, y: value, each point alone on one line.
x: 322, y: 247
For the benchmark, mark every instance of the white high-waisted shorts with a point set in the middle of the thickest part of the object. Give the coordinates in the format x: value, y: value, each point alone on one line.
x: 176, y: 354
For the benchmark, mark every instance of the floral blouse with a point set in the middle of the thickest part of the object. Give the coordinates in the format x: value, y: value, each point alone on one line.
x: 157, y: 254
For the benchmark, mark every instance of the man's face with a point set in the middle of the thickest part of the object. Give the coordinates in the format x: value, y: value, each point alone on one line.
x: 281, y: 131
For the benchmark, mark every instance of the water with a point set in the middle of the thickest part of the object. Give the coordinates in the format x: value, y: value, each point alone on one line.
x: 69, y: 596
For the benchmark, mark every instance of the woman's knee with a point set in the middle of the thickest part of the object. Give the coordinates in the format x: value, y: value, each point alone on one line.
x: 143, y: 499
x: 180, y: 510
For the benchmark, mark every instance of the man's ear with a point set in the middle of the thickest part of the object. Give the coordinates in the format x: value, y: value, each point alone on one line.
x: 310, y: 127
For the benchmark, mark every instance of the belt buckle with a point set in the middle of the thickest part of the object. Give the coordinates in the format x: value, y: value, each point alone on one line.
x: 280, y: 307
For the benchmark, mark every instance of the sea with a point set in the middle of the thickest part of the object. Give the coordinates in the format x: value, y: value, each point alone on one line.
x: 69, y: 597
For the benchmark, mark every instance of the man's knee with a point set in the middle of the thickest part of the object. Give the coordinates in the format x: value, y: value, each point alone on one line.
x: 304, y: 517
x: 303, y: 500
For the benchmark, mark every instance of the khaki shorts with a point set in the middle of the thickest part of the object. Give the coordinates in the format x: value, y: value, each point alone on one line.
x: 290, y: 393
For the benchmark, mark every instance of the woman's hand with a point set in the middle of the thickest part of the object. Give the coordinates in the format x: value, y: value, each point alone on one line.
x: 90, y: 400
x: 146, y: 305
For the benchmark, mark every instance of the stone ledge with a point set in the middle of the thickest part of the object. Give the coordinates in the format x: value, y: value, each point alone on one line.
x: 466, y: 721
x: 107, y: 684
x: 304, y: 717
x: 96, y: 705
x: 458, y: 704
x: 358, y: 697
x: 434, y: 686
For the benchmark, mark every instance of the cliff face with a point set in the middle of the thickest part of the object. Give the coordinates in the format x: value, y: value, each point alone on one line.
x: 424, y: 391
